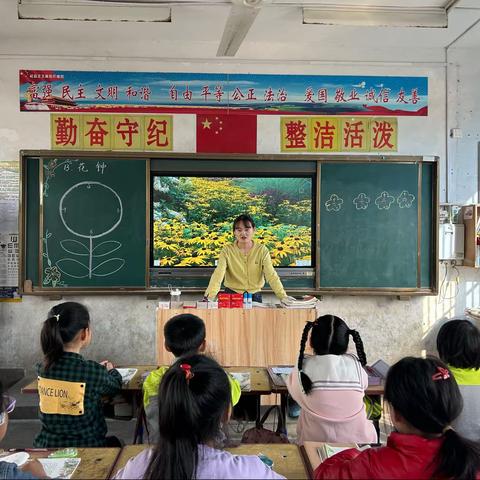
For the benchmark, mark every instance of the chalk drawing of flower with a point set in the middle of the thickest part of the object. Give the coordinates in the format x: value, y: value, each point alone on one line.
x: 384, y: 201
x: 52, y: 275
x: 405, y: 199
x: 361, y: 201
x: 334, y: 203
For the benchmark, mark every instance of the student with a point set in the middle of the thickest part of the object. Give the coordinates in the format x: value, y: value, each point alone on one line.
x: 329, y: 386
x: 458, y: 345
x: 184, y: 334
x: 244, y: 264
x: 30, y: 469
x: 424, y: 400
x: 70, y: 387
x: 196, y: 399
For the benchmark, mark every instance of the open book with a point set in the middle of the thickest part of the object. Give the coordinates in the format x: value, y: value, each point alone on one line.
x: 60, y: 467
x: 377, y: 373
x: 127, y: 374
x: 244, y: 380
x: 279, y: 374
x: 327, y: 450
x: 316, y: 452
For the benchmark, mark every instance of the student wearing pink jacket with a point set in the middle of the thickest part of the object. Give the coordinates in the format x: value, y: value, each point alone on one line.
x: 330, y: 385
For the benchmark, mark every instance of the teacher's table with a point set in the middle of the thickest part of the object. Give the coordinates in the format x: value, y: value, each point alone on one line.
x: 237, y: 336
x: 95, y: 463
x: 287, y: 458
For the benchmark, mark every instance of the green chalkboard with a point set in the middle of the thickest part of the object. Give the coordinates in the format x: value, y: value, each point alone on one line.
x: 369, y: 225
x: 93, y: 216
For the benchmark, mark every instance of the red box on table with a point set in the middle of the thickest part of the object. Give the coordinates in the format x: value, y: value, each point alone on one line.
x: 236, y: 300
x: 224, y: 300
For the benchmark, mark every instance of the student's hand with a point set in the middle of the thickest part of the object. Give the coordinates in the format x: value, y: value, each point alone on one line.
x: 108, y: 365
x: 35, y: 468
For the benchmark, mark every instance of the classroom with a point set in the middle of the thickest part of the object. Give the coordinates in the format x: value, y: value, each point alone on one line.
x: 141, y: 141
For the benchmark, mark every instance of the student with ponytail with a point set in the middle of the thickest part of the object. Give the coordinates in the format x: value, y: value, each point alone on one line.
x: 329, y: 385
x: 458, y: 345
x: 195, y: 397
x: 424, y: 400
x: 70, y: 388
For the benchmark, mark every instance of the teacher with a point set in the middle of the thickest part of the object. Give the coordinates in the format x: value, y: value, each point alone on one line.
x: 244, y: 265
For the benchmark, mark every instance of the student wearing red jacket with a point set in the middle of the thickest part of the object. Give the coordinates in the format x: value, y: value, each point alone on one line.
x: 424, y: 400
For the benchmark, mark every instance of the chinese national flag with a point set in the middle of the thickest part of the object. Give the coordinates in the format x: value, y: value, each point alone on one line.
x: 226, y: 133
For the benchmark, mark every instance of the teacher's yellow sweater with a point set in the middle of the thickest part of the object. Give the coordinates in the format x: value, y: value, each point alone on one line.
x: 245, y: 273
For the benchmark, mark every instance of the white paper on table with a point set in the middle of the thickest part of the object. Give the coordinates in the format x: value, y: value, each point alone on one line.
x: 282, y: 370
x: 127, y: 373
x: 18, y: 458
x: 59, y: 467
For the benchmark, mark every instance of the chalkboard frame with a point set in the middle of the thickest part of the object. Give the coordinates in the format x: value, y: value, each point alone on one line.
x: 25, y: 286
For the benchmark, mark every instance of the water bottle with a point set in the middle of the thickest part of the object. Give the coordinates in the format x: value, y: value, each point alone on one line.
x: 245, y: 300
x: 249, y: 300
x: 175, y: 298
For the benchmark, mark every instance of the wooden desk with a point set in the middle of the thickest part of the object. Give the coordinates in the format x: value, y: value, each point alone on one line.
x: 259, y: 380
x: 260, y: 336
x: 287, y: 459
x: 276, y: 387
x: 126, y: 454
x: 96, y: 463
x: 135, y: 384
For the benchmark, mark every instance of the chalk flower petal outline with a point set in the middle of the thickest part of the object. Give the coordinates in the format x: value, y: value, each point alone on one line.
x: 52, y: 275
x: 405, y: 199
x: 334, y: 203
x: 361, y: 201
x: 384, y: 201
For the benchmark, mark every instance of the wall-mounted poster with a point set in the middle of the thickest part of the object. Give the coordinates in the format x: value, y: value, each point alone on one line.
x: 9, y: 190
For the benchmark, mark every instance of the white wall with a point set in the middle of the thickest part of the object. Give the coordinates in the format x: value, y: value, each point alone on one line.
x: 124, y: 328
x: 463, y: 113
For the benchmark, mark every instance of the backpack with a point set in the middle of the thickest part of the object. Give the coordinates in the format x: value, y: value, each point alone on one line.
x: 259, y: 434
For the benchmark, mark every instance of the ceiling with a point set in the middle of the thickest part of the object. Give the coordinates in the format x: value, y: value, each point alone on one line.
x: 262, y: 30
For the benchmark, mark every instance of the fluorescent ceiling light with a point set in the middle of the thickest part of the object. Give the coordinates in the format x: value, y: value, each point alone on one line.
x: 435, y: 17
x: 92, y: 10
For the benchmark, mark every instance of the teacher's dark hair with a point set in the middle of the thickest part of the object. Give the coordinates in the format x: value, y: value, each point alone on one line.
x: 64, y: 322
x: 246, y: 219
x: 431, y: 406
x: 330, y: 335
x: 190, y: 414
x: 458, y: 344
